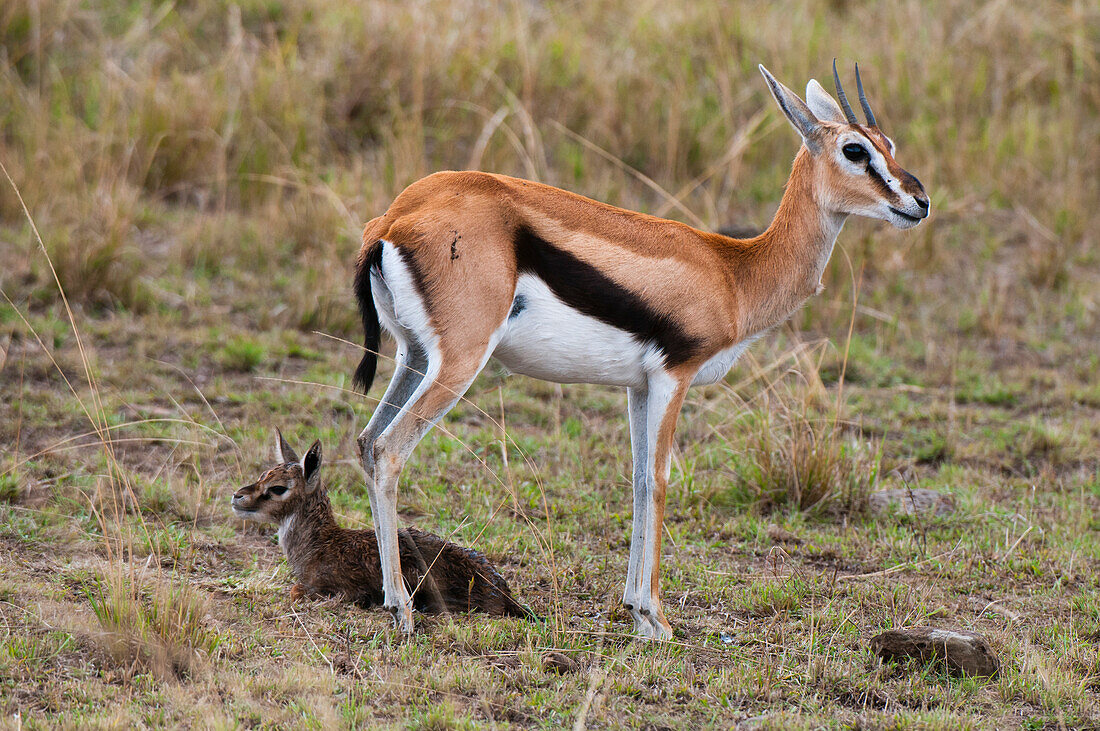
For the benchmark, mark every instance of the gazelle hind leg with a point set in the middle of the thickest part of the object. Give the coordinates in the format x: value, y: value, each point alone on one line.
x: 437, y: 394
x: 412, y: 362
x: 636, y: 406
x: 665, y: 397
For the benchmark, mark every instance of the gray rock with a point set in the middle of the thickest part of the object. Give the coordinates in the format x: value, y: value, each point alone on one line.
x: 920, y: 501
x: 963, y: 652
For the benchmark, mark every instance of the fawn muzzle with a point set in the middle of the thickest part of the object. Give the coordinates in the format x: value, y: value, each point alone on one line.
x: 245, y: 503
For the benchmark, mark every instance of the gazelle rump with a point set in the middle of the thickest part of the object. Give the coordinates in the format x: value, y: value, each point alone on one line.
x: 328, y: 560
x: 465, y: 266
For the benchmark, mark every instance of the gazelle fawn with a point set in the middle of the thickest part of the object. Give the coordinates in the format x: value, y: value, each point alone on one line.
x: 465, y: 266
x: 329, y: 560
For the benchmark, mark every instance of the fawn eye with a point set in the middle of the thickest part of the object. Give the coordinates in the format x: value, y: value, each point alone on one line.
x: 854, y: 152
x: 277, y: 490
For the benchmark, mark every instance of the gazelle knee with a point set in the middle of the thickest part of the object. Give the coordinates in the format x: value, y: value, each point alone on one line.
x: 366, y: 449
x: 385, y: 458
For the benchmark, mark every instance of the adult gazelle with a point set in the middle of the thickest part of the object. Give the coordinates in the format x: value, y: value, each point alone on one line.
x: 465, y: 266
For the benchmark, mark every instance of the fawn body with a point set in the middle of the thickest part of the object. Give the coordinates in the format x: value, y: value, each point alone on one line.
x: 328, y: 560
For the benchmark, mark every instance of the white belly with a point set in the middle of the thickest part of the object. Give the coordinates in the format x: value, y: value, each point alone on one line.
x: 549, y: 340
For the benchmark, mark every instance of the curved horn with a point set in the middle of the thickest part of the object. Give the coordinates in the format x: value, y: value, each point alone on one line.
x: 848, y: 113
x: 863, y: 100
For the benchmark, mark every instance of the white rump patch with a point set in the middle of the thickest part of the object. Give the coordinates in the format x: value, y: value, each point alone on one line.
x: 401, y: 310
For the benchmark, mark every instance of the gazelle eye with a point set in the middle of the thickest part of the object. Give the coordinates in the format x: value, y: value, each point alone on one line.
x: 854, y: 152
x: 277, y: 490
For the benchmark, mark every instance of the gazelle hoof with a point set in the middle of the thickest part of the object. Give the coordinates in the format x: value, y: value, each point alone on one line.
x: 653, y: 631
x: 402, y: 619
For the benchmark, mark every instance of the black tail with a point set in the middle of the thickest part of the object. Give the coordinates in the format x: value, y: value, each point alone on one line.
x: 372, y: 329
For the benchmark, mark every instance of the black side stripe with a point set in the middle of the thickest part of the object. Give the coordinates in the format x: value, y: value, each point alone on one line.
x: 886, y: 190
x: 588, y: 290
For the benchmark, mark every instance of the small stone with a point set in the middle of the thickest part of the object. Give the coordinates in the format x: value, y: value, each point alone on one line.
x: 559, y: 663
x: 964, y: 652
x: 920, y: 501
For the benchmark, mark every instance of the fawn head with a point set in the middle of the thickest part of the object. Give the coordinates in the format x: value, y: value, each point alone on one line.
x: 853, y: 166
x: 280, y: 490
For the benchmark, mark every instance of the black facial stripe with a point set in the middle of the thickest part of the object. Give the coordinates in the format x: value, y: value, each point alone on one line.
x: 886, y: 190
x: 910, y: 183
x: 588, y: 290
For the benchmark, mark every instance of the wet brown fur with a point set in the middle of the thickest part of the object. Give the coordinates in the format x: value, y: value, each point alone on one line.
x: 328, y: 560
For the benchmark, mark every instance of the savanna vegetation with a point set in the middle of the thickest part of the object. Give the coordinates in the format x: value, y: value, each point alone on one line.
x: 185, y: 187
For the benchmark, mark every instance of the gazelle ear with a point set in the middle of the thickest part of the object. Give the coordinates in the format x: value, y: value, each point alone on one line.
x: 795, y: 110
x: 822, y: 104
x: 284, y: 454
x: 311, y: 466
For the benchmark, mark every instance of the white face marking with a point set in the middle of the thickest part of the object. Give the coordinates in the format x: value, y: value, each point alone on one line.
x: 554, y: 342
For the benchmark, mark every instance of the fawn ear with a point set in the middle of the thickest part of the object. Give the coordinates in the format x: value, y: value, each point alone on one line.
x: 311, y: 466
x: 284, y: 454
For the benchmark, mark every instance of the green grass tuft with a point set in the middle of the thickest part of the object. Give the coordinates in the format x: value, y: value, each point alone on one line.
x: 242, y: 353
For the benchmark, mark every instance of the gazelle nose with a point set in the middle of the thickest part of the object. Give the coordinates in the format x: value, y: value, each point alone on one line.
x: 922, y: 202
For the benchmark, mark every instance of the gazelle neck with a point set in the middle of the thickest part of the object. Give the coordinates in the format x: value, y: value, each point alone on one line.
x: 299, y: 532
x: 782, y: 267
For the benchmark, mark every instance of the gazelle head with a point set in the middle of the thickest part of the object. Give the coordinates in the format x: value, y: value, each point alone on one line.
x: 279, y: 491
x: 854, y: 167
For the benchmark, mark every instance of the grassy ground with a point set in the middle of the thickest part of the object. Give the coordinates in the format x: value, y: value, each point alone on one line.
x: 199, y: 174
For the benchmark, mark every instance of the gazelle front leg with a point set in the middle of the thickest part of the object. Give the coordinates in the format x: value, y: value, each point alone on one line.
x: 665, y: 397
x: 636, y: 406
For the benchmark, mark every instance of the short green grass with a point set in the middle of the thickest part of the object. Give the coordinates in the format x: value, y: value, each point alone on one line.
x: 199, y: 174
